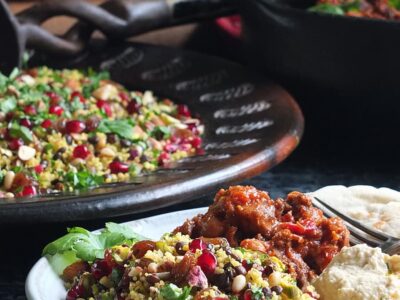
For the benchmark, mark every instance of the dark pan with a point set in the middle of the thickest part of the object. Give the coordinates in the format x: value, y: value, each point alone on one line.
x: 352, y: 55
x: 251, y: 125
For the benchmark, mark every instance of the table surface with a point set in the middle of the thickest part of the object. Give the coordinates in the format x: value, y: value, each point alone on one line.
x: 343, y: 144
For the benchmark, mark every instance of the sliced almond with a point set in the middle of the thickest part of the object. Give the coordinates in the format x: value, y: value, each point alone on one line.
x: 26, y: 153
x: 106, y: 92
x: 8, y: 180
x: 107, y: 152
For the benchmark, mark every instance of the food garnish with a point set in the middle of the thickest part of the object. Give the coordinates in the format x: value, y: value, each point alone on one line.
x: 377, y: 9
x: 66, y: 130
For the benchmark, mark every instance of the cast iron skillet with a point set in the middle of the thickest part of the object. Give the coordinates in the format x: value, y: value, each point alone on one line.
x: 358, y: 56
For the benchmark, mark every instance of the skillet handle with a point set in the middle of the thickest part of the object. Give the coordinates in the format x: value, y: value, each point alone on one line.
x: 117, y: 19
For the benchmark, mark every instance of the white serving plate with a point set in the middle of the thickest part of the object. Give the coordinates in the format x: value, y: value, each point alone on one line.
x: 43, y: 283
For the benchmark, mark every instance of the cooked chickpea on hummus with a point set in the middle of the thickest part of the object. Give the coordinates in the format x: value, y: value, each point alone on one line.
x: 64, y: 130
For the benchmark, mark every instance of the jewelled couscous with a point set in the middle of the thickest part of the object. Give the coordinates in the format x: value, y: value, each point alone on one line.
x: 173, y: 268
x: 63, y: 130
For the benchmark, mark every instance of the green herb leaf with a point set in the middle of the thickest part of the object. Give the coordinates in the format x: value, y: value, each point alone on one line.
x: 14, y: 73
x: 125, y: 230
x: 89, y: 246
x: 83, y: 179
x: 161, y: 132
x: 257, y: 293
x: 18, y: 131
x: 395, y: 3
x: 8, y: 104
x: 120, y: 127
x: 171, y: 292
x: 328, y: 8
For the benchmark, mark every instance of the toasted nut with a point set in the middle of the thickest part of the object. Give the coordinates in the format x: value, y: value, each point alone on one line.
x: 106, y: 92
x: 9, y: 195
x: 8, y: 179
x: 107, y: 152
x: 152, y: 267
x: 77, y: 161
x: 27, y: 79
x: 148, y: 98
x: 274, y: 278
x: 102, y: 142
x: 6, y: 152
x: 238, y: 283
x: 26, y: 153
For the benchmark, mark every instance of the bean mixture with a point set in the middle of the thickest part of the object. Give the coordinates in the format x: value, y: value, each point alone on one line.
x: 180, y: 268
x: 66, y: 130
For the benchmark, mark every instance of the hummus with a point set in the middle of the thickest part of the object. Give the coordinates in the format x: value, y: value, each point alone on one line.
x: 378, y: 208
x: 360, y: 273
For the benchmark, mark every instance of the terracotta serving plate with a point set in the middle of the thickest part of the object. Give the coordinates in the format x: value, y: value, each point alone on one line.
x: 251, y: 124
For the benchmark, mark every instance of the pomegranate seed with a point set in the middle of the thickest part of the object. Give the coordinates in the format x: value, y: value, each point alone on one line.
x: 30, y: 110
x: 133, y: 107
x: 170, y: 148
x: 247, y: 264
x: 118, y: 167
x: 207, y: 262
x: 56, y: 110
x: 133, y: 153
x: 193, y: 128
x: 196, y: 142
x: 100, y: 268
x: 78, y: 95
x: 46, y: 123
x: 9, y: 116
x: 197, y: 244
x: 29, y: 190
x: 74, y: 126
x: 39, y: 169
x: 81, y: 151
x: 15, y: 143
x: 105, y: 107
x: 163, y: 158
x: 26, y: 123
x: 247, y: 295
x: 124, y: 97
x: 175, y: 140
x: 183, y: 110
x: 185, y: 147
x: 109, y: 258
x: 54, y: 98
x: 75, y: 292
x: 92, y: 123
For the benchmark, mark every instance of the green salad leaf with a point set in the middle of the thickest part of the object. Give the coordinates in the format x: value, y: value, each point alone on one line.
x: 8, y: 104
x: 19, y: 131
x: 171, y: 292
x: 395, y: 3
x: 123, y: 128
x: 83, y: 179
x: 328, y: 8
x: 340, y: 9
x: 89, y: 246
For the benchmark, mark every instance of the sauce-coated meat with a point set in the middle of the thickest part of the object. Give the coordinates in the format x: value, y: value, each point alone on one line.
x: 291, y: 229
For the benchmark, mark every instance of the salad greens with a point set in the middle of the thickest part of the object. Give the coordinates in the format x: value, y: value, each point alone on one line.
x: 171, y: 292
x: 80, y: 243
x: 340, y: 9
x: 123, y: 128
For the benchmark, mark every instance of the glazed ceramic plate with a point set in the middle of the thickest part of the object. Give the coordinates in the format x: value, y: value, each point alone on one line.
x: 251, y: 124
x: 43, y: 283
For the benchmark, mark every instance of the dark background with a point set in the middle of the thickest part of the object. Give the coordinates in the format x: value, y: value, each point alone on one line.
x: 348, y: 140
